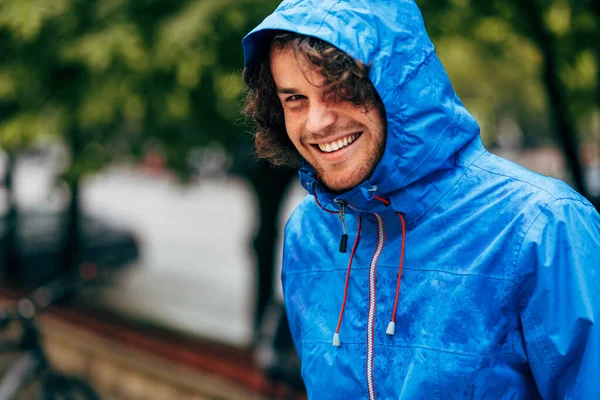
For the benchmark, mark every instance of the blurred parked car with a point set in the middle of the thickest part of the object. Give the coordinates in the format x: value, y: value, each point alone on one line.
x: 42, y: 238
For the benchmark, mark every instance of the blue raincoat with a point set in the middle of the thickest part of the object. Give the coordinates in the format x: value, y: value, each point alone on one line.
x: 500, y: 282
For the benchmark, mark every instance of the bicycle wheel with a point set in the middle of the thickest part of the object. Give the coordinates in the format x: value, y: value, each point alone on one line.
x: 61, y: 387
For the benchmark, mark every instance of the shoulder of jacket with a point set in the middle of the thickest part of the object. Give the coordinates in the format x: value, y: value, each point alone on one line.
x: 536, y: 191
x: 553, y: 226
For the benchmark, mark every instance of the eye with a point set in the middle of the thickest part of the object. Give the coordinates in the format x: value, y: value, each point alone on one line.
x: 294, y: 97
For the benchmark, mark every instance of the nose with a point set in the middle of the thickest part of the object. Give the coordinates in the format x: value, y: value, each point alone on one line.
x: 320, y: 116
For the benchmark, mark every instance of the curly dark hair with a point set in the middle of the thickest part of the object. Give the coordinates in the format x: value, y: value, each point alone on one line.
x: 345, y: 77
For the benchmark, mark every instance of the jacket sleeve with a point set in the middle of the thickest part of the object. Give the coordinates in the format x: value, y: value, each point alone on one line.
x: 291, y: 311
x: 560, y: 264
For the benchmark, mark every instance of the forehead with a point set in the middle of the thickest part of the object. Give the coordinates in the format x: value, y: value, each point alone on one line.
x: 291, y: 69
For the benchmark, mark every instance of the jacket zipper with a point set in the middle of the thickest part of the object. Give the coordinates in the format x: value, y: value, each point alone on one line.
x: 372, y: 303
x: 344, y: 238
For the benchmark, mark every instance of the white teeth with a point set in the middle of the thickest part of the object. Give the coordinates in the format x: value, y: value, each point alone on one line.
x: 338, y: 144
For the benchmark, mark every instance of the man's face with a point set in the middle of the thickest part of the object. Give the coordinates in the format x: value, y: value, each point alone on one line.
x: 342, y: 142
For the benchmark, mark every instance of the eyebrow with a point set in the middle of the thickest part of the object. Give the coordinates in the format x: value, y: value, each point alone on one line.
x: 286, y: 90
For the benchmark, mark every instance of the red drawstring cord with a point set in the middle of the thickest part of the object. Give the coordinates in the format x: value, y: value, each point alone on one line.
x: 322, y: 208
x: 336, y: 335
x: 392, y: 325
x: 384, y: 201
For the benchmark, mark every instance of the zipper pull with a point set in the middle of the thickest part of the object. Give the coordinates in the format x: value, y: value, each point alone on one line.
x: 344, y: 239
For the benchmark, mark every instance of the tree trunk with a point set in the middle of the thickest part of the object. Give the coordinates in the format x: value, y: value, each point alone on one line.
x: 11, y: 255
x: 596, y: 7
x: 73, y: 236
x: 72, y: 249
x: 555, y: 90
x: 270, y: 186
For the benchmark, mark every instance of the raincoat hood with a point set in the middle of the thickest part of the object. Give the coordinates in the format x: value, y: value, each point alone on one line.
x: 426, y: 122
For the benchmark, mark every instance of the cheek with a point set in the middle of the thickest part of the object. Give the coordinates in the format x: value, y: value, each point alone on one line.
x: 377, y: 126
x: 294, y: 128
x: 375, y: 118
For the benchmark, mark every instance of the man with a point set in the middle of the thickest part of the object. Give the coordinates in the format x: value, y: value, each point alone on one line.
x: 419, y: 266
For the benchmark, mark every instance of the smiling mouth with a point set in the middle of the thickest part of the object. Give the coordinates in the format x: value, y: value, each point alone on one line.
x: 339, y: 144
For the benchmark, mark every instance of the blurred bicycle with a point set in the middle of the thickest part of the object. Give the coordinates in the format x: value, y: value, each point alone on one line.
x: 33, y: 365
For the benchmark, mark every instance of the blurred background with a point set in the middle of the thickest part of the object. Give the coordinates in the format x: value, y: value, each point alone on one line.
x: 122, y: 145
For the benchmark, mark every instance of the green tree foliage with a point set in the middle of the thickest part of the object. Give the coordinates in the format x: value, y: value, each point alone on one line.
x: 496, y: 60
x: 496, y: 56
x: 112, y: 76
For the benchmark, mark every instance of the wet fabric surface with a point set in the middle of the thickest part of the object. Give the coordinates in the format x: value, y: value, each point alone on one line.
x: 499, y: 295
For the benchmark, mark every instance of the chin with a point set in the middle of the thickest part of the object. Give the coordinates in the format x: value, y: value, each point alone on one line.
x: 344, y: 179
x: 341, y: 185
